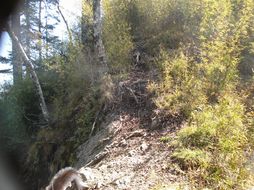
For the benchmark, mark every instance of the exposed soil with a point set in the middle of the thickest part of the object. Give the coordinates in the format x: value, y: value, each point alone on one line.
x: 127, y: 152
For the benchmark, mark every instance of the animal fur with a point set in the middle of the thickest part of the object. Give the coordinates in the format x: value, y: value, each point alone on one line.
x: 67, y: 177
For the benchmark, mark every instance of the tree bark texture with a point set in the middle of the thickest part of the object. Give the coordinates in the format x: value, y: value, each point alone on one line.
x: 16, y: 60
x: 98, y: 43
x: 39, y: 29
x: 28, y: 25
x: 33, y: 73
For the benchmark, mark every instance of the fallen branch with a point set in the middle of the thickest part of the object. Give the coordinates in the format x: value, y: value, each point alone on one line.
x: 133, y: 94
x: 138, y: 133
x: 5, y: 71
x: 97, y: 159
x: 95, y: 120
x: 94, y: 123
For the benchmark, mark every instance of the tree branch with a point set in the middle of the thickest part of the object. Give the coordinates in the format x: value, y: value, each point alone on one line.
x: 66, y: 23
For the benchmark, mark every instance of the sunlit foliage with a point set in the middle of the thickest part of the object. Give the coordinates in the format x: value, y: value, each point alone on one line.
x: 116, y: 32
x: 199, y: 79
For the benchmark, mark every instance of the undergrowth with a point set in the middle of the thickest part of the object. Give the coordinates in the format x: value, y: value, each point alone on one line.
x: 200, y: 79
x: 213, y: 145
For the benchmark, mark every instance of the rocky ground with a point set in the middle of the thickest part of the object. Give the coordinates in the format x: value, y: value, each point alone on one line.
x: 127, y: 152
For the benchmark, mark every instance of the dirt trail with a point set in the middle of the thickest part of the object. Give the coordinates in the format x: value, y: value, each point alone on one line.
x: 127, y: 152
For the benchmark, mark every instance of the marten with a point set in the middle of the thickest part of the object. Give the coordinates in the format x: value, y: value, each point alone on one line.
x: 67, y: 177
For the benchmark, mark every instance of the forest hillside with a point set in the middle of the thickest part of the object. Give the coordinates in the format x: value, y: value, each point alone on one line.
x: 141, y: 95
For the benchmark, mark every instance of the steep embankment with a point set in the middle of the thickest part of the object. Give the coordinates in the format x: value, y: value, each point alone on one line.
x: 128, y: 152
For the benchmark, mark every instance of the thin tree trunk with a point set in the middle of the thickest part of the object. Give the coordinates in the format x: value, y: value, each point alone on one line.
x: 66, y: 23
x: 28, y: 25
x: 16, y: 61
x: 33, y: 73
x: 46, y: 27
x: 39, y: 28
x: 99, y: 47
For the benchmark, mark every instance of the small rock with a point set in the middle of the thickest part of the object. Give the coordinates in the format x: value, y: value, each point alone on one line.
x: 154, y: 124
x: 144, y: 147
x: 131, y: 153
x: 87, y: 173
x: 123, y: 183
x: 123, y: 143
x: 99, y: 185
x: 103, y: 167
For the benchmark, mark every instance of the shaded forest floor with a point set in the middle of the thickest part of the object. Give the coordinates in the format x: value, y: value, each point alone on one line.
x: 129, y: 152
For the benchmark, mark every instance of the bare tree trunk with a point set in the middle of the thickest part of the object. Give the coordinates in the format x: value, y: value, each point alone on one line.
x: 97, y: 17
x: 28, y: 25
x: 16, y: 61
x: 39, y: 28
x: 46, y: 27
x: 33, y: 73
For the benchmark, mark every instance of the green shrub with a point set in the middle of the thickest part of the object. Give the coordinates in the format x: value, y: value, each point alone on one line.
x: 180, y: 89
x: 214, y: 144
x: 116, y: 35
x: 206, y: 68
x: 165, y: 139
x: 192, y: 158
x: 18, y: 117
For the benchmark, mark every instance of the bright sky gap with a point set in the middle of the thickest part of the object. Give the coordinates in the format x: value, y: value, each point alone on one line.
x: 71, y: 10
